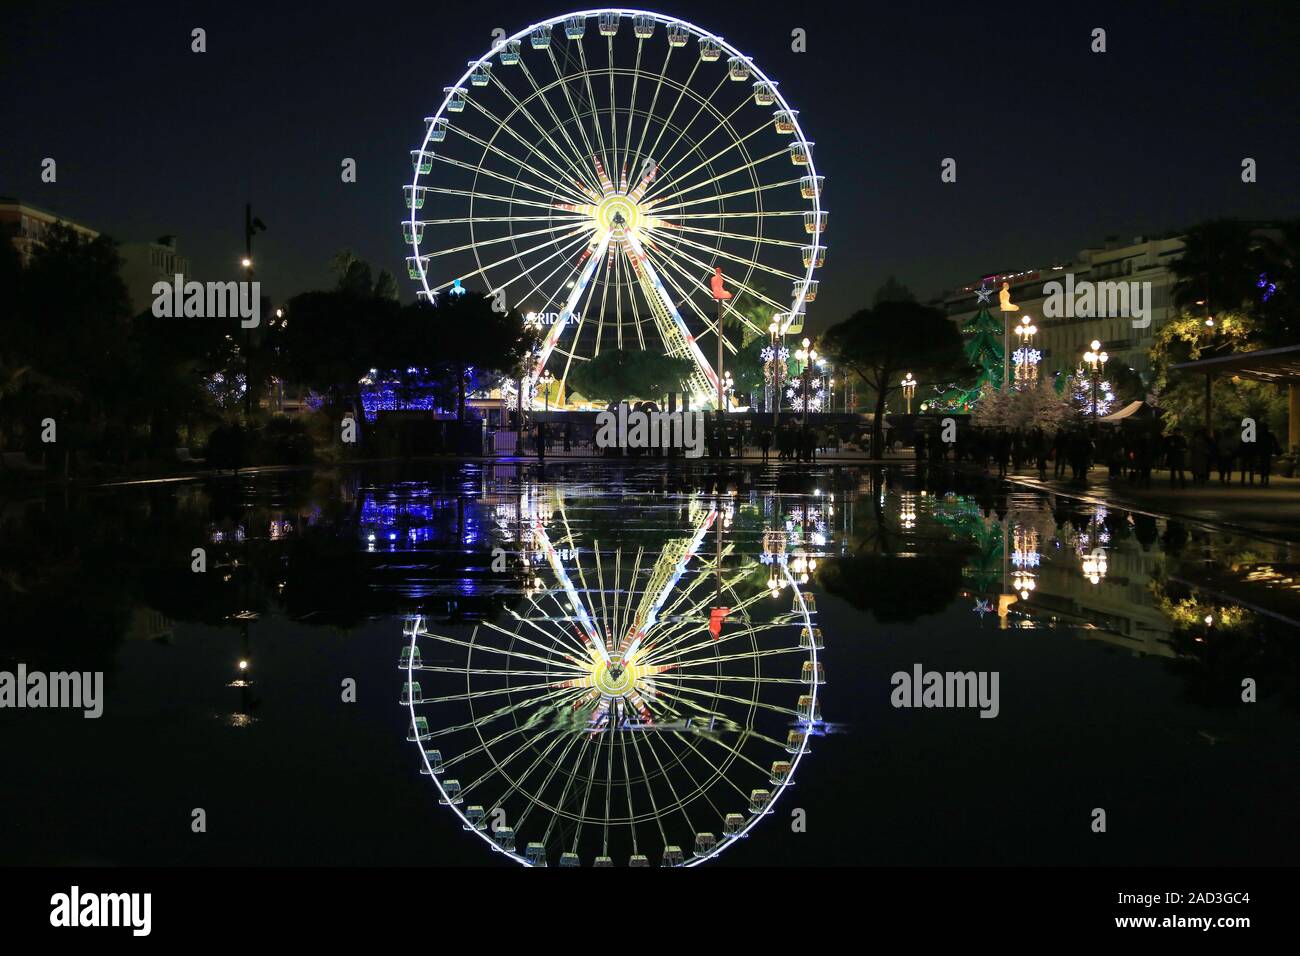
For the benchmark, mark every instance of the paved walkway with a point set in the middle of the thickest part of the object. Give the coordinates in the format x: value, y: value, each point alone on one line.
x: 1272, y: 512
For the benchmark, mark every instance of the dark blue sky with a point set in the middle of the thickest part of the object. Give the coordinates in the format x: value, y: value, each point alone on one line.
x: 1056, y: 147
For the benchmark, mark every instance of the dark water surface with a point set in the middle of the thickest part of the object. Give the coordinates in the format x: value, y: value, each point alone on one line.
x: 1114, y: 691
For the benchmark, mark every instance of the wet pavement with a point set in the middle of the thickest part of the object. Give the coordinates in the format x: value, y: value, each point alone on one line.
x: 626, y: 661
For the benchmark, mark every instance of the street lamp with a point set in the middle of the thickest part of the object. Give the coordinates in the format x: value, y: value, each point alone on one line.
x: 774, y: 330
x: 808, y: 356
x: 1026, y: 359
x: 1096, y: 361
x: 909, y: 389
x: 546, y: 379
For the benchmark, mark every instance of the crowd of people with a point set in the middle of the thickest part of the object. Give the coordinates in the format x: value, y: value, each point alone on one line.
x: 1131, y: 453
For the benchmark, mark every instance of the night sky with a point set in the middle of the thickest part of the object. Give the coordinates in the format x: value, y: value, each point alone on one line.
x: 1057, y: 147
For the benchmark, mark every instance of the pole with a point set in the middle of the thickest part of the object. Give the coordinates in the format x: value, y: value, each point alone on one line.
x: 248, y: 334
x: 776, y: 380
x: 1006, y: 350
x: 719, y: 369
x: 803, y: 420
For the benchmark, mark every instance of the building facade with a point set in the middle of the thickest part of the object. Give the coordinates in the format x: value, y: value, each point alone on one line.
x: 1062, y: 339
x: 26, y: 226
x: 144, y: 263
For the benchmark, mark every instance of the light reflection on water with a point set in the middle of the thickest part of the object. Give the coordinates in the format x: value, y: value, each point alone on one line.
x: 886, y: 558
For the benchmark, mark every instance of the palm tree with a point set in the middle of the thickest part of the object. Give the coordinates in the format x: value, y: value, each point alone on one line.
x: 1221, y: 262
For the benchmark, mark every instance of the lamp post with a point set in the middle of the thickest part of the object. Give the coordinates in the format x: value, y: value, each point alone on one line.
x: 546, y: 380
x: 251, y: 225
x: 775, y: 331
x: 1026, y: 369
x: 909, y: 389
x: 1096, y: 361
x: 807, y: 355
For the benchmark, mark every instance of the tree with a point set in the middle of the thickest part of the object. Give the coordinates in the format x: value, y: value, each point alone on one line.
x: 1037, y: 405
x: 1221, y: 262
x: 464, y: 334
x: 616, y: 374
x: 893, y: 291
x: 1187, y: 339
x: 984, y: 348
x: 880, y: 344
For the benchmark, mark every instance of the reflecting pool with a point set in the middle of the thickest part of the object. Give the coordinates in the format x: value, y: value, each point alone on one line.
x: 614, y: 664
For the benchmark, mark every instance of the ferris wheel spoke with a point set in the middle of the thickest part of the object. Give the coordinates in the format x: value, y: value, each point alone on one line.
x: 657, y: 812
x: 704, y: 103
x: 709, y: 323
x: 555, y: 645
x: 601, y: 739
x: 467, y: 247
x: 631, y: 111
x: 575, y: 156
x: 582, y: 318
x: 481, y: 170
x: 739, y: 237
x: 654, y: 101
x: 559, y: 253
x: 504, y: 125
x: 468, y: 219
x: 738, y: 284
x: 667, y: 677
x: 527, y: 704
x: 559, y: 804
x: 532, y: 800
x: 591, y: 99
x: 732, y: 257
x: 572, y: 155
x: 734, y: 171
x: 613, y: 115
x: 559, y: 186
x: 471, y: 194
x: 627, y: 787
x: 481, y: 694
x: 678, y: 803
x: 563, y: 79
x: 482, y: 270
x: 680, y: 649
x: 673, y: 112
x: 499, y: 768
x: 563, y: 801
x: 753, y: 190
x: 734, y: 142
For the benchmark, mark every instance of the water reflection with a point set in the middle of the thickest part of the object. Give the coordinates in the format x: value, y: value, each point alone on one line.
x: 645, y: 702
x: 701, y: 572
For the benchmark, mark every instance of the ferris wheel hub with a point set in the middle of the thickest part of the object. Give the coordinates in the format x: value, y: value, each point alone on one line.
x: 614, y: 207
x: 613, y: 679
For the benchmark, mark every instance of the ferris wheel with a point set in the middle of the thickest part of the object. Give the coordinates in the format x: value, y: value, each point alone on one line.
x: 596, y: 168
x: 641, y: 706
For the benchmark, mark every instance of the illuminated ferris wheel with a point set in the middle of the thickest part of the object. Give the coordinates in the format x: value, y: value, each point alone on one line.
x: 641, y: 706
x: 594, y: 169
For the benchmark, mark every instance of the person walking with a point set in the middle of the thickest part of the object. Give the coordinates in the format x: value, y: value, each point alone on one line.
x: 765, y: 442
x: 1176, y: 457
x: 541, y: 441
x: 1267, y: 447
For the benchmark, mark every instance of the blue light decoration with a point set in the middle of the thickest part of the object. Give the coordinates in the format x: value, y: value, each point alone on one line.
x: 1269, y: 287
x: 456, y: 288
x: 414, y: 389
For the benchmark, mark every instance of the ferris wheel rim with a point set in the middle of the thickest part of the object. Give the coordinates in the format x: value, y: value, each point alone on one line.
x: 800, y: 298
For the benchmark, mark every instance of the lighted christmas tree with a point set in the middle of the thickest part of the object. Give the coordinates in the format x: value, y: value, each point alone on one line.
x: 984, y: 349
